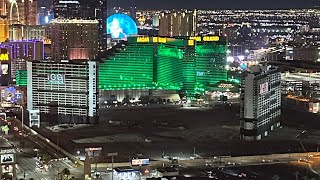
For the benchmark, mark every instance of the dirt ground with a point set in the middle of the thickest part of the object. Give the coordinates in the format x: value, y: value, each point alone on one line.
x: 150, y: 132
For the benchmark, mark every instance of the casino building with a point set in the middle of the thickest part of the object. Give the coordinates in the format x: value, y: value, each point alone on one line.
x: 64, y: 92
x: 260, y: 103
x: 188, y: 65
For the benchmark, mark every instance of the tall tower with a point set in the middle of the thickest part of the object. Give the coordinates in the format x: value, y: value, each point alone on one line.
x: 4, y: 23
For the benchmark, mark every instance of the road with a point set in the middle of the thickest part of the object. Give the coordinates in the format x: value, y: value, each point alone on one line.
x: 26, y: 144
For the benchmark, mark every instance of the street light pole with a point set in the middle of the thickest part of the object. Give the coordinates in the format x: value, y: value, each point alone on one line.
x: 22, y: 119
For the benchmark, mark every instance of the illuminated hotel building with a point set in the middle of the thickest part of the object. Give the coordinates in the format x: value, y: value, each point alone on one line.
x: 65, y: 9
x: 178, y: 24
x: 64, y: 92
x: 156, y: 63
x: 260, y: 102
x: 4, y: 23
x: 4, y: 29
x: 22, y: 51
x: 21, y: 15
x: 74, y: 39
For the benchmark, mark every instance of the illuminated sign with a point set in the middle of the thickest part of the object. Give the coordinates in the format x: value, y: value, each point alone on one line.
x: 191, y: 42
x: 4, y: 57
x: 7, y: 158
x: 56, y: 78
x: 211, y: 38
x: 171, y: 52
x: 197, y: 38
x: 34, y: 116
x: 143, y: 39
x: 205, y: 38
x: 214, y: 49
x: 93, y: 149
x: 140, y: 162
x: 159, y: 39
x: 264, y: 88
x: 47, y: 41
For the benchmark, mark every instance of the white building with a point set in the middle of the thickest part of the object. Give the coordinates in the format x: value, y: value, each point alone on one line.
x: 260, y: 102
x: 64, y: 92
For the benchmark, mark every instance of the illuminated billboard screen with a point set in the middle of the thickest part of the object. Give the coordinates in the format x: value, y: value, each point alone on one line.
x: 7, y: 158
x: 264, y: 88
x: 4, y: 69
x: 120, y: 26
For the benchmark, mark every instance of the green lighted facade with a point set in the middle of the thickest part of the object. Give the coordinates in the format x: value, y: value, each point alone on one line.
x: 22, y: 78
x: 189, y: 64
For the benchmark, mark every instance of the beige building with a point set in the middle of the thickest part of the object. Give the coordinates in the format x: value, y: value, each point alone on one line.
x: 74, y: 39
x: 178, y: 24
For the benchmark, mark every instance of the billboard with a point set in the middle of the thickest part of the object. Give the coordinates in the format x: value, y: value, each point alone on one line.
x: 56, y: 78
x: 120, y: 26
x: 7, y: 158
x: 34, y: 116
x: 140, y: 162
x: 264, y: 88
x: 93, y: 151
x: 4, y: 55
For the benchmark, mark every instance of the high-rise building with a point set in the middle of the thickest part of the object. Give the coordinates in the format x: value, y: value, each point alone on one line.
x: 260, y: 102
x: 66, y: 9
x: 64, y: 92
x: 189, y: 65
x: 4, y: 29
x: 20, y: 52
x: 3, y: 8
x: 178, y: 24
x: 4, y: 23
x: 21, y: 15
x: 74, y: 39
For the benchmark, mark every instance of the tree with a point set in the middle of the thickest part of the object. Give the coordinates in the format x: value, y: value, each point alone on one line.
x: 65, y: 173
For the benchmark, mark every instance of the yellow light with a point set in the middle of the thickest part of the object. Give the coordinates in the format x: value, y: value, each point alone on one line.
x: 211, y: 38
x: 47, y: 41
x: 191, y: 42
x: 162, y: 40
x: 4, y: 57
x: 155, y: 39
x: 143, y: 39
x: 197, y: 38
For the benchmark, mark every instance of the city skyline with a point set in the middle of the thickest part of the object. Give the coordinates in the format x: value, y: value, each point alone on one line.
x: 211, y: 4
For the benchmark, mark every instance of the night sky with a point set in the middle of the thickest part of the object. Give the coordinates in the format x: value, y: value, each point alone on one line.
x: 211, y: 4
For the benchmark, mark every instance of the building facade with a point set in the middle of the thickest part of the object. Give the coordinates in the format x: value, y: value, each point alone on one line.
x: 74, y: 39
x: 178, y: 24
x: 64, y: 92
x: 186, y: 64
x: 260, y: 102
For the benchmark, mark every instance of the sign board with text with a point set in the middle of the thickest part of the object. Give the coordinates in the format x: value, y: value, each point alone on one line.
x: 7, y: 158
x: 140, y: 162
x: 93, y: 151
x: 56, y: 78
x: 34, y: 116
